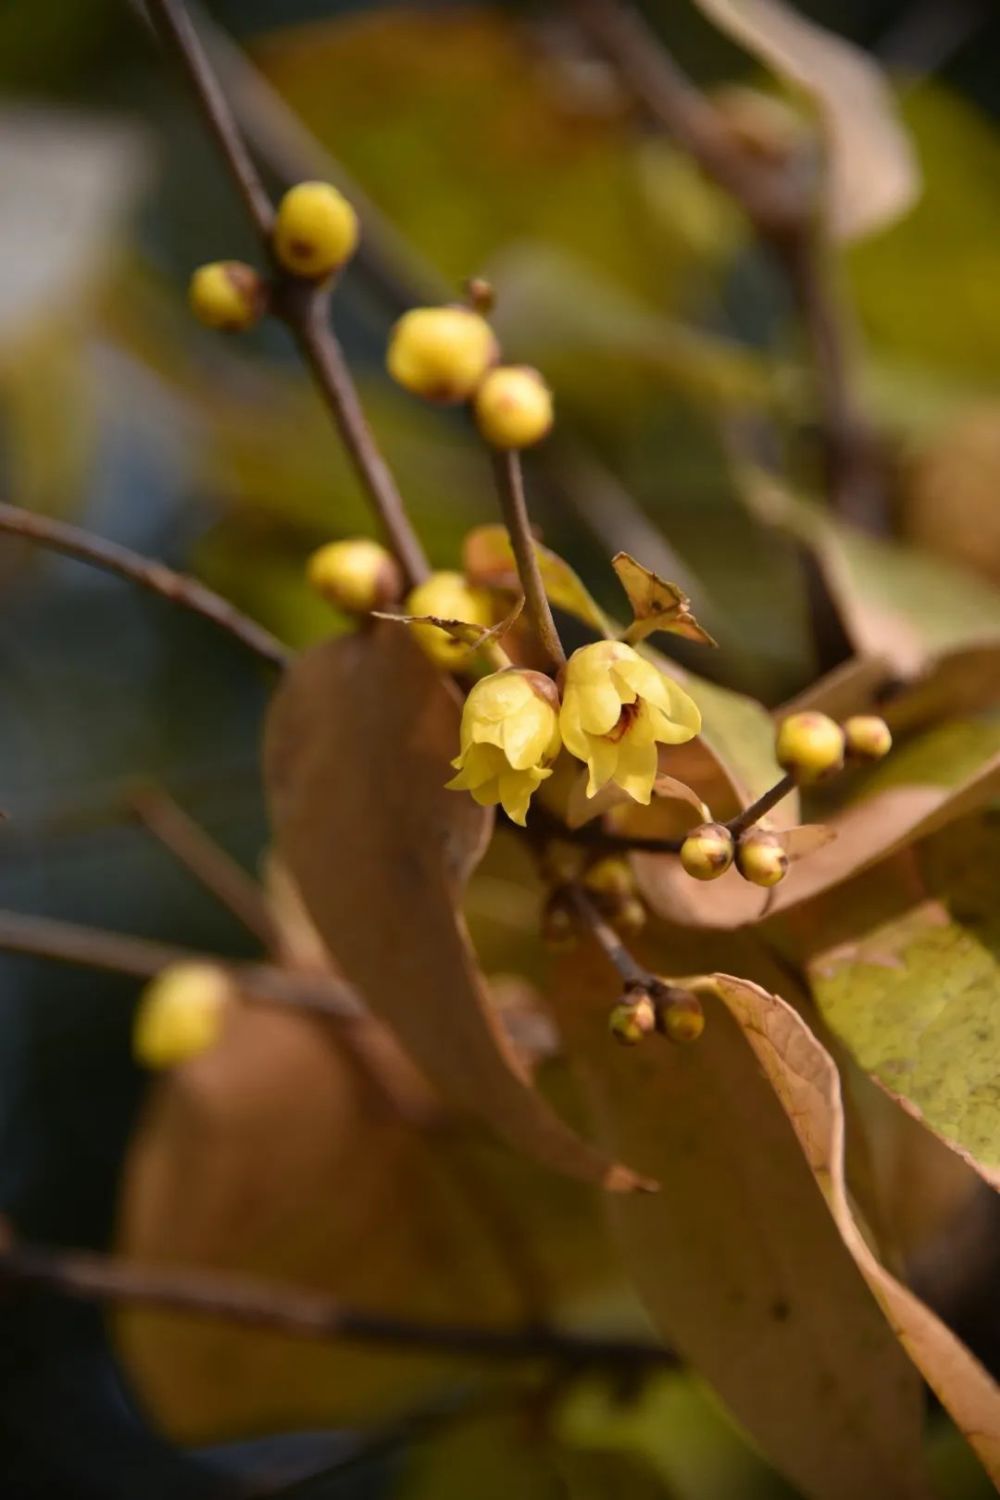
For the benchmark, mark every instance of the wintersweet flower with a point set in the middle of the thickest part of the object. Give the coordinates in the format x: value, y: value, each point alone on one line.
x: 616, y: 708
x: 509, y: 734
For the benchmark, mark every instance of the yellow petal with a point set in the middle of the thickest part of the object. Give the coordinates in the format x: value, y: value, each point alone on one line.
x: 527, y: 733
x: 572, y: 731
x: 600, y: 705
x: 602, y: 762
x: 636, y: 771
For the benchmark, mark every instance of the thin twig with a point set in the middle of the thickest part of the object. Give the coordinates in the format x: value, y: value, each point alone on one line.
x: 178, y: 588
x: 308, y: 1315
x: 143, y: 958
x: 780, y: 202
x: 305, y: 312
x: 206, y: 860
x: 172, y: 25
x: 627, y: 843
x: 510, y: 487
x: 302, y: 305
x: 632, y: 973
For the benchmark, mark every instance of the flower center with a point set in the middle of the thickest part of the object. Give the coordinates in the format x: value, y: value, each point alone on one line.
x: 627, y: 717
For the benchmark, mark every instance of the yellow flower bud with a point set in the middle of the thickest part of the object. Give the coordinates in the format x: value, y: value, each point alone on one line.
x: 810, y: 746
x: 441, y: 353
x: 616, y: 708
x: 760, y: 858
x: 180, y: 1014
x: 707, y: 852
x: 228, y: 295
x: 559, y: 931
x: 316, y: 230
x: 448, y: 597
x: 611, y: 877
x: 632, y: 1019
x: 509, y: 734
x: 629, y: 916
x: 356, y: 575
x: 682, y: 1018
x: 868, y: 737
x: 513, y: 407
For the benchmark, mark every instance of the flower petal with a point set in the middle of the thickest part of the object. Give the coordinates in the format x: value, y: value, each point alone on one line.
x: 602, y: 762
x: 527, y: 733
x: 637, y: 766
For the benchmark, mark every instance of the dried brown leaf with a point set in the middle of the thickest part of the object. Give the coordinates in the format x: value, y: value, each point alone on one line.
x: 357, y: 751
x: 656, y: 604
x: 737, y: 1258
x: 473, y: 636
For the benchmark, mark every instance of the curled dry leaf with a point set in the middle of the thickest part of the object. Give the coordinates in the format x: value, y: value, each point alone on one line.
x: 805, y: 1081
x: 737, y: 1258
x: 357, y: 749
x: 473, y: 636
x: 805, y: 839
x: 656, y: 604
x: 873, y: 176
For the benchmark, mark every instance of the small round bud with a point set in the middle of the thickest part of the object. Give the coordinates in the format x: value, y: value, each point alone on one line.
x: 559, y: 930
x: 707, y: 852
x: 228, y: 295
x: 480, y: 294
x: 681, y: 1018
x: 180, y: 1014
x: 315, y: 231
x: 356, y: 575
x: 610, y: 877
x: 760, y: 858
x: 441, y: 353
x: 513, y: 407
x: 868, y: 737
x: 448, y: 597
x: 810, y: 746
x: 629, y: 916
x: 632, y: 1019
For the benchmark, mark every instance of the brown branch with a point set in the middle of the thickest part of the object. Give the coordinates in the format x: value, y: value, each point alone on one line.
x: 143, y: 958
x: 780, y: 201
x: 510, y: 487
x: 308, y: 1315
x: 172, y: 25
x: 206, y: 860
x: 302, y: 305
x: 178, y: 588
x: 632, y: 974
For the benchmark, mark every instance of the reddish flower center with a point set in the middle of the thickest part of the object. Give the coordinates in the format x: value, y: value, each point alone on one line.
x: 627, y: 717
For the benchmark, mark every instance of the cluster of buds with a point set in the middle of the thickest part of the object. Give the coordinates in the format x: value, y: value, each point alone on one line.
x: 451, y: 355
x: 614, y: 710
x: 315, y: 234
x: 811, y: 748
x: 674, y: 1012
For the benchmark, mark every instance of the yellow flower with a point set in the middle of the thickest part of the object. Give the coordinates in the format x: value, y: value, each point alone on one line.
x: 616, y: 707
x: 510, y: 732
x: 180, y: 1013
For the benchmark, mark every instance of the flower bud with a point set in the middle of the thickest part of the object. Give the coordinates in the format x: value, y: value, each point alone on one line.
x: 868, y: 737
x: 513, y: 407
x: 356, y: 575
x: 810, y: 746
x: 180, y: 1014
x: 629, y: 916
x: 632, y: 1019
x: 681, y: 1017
x: 559, y: 930
x: 228, y: 295
x: 761, y: 858
x: 707, y: 852
x: 449, y: 597
x: 611, y: 878
x: 441, y: 353
x: 315, y: 231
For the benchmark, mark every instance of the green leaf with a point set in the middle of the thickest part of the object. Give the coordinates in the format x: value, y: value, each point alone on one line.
x: 917, y: 996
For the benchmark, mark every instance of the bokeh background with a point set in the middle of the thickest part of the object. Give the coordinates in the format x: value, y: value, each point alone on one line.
x: 492, y: 144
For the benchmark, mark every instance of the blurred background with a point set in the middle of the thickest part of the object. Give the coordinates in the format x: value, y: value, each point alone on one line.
x: 492, y: 142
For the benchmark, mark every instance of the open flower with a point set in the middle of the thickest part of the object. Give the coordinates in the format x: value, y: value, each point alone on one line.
x: 509, y: 734
x: 616, y: 708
